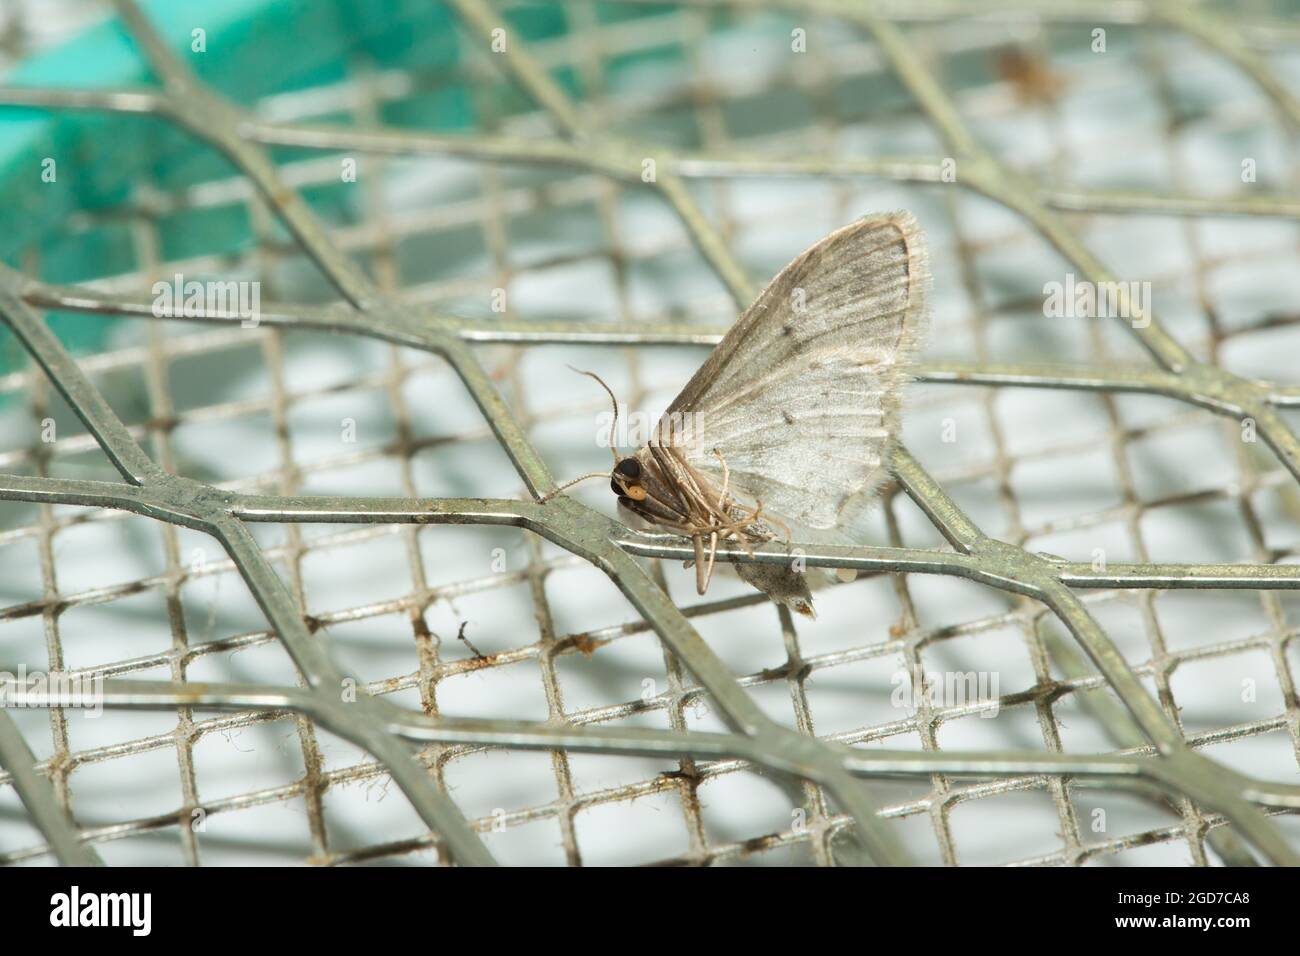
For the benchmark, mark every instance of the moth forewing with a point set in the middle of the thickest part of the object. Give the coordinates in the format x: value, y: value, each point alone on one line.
x: 788, y: 423
x: 784, y: 431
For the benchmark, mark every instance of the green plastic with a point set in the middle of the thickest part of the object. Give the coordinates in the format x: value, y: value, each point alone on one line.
x: 253, y: 48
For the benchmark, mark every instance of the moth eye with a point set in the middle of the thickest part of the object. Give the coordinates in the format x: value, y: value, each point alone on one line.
x: 629, y: 468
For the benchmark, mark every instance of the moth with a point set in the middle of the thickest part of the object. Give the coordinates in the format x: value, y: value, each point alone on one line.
x: 784, y: 432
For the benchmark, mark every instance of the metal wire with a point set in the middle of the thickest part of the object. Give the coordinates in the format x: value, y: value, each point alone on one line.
x: 1217, y: 807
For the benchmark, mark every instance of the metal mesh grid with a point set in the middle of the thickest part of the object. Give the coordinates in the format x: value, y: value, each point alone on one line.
x: 713, y: 716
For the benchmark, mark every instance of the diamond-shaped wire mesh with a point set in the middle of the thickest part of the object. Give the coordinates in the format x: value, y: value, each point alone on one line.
x: 348, y: 633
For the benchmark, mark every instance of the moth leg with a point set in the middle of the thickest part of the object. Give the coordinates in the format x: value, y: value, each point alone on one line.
x: 713, y: 554
x: 726, y: 481
x: 691, y: 485
x: 701, y: 579
x: 775, y: 521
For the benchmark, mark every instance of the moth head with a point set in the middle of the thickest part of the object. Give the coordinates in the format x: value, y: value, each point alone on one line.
x: 626, y: 480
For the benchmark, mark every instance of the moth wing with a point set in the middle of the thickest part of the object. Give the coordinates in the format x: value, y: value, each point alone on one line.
x: 802, y: 396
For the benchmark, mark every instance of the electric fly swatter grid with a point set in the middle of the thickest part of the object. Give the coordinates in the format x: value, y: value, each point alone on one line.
x: 586, y: 664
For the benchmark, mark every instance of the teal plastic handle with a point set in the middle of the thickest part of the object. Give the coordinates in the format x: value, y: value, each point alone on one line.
x: 253, y: 48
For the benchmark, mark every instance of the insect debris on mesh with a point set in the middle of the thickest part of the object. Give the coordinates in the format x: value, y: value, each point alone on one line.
x: 785, y: 431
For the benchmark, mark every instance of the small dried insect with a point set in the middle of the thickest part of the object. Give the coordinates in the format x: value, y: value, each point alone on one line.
x: 785, y: 430
x: 1030, y: 76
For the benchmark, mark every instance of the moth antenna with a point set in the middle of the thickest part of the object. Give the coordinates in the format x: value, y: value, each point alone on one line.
x: 613, y: 428
x: 569, y: 484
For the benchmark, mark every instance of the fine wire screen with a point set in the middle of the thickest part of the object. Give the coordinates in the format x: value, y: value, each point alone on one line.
x: 299, y: 539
